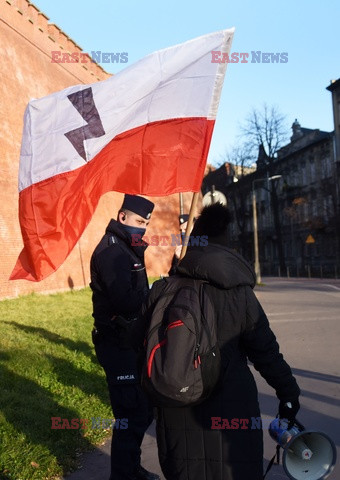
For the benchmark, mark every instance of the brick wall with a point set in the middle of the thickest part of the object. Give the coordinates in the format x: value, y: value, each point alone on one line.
x: 26, y: 42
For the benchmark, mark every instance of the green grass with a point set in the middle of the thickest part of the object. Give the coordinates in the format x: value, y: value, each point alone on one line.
x: 48, y: 369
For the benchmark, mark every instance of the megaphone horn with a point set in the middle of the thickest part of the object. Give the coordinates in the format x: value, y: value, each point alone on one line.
x: 307, y: 455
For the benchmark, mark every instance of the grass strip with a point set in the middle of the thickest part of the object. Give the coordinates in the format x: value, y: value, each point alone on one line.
x: 48, y: 368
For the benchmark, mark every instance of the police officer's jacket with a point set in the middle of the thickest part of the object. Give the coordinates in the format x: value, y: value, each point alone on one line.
x: 118, y: 277
x: 120, y: 286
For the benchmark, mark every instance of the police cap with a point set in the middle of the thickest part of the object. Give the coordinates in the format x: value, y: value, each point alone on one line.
x: 183, y: 218
x: 139, y: 205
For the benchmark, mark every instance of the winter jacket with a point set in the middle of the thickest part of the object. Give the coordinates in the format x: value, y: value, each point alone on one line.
x: 221, y: 439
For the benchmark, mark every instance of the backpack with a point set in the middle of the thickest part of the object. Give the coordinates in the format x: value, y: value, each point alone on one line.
x: 182, y: 360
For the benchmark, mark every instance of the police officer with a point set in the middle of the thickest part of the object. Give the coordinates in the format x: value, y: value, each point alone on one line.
x: 183, y: 223
x: 120, y: 286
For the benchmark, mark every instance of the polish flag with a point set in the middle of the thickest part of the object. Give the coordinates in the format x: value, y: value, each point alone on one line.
x: 145, y: 130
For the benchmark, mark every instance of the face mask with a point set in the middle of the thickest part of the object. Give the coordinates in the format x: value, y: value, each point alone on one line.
x: 134, y: 230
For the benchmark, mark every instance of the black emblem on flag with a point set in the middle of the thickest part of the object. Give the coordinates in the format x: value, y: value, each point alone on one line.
x: 83, y: 102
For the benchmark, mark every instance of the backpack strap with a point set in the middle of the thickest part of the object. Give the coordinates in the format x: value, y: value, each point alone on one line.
x: 202, y: 304
x: 201, y: 295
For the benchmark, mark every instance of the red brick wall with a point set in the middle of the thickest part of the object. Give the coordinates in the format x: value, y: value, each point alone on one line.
x: 26, y: 42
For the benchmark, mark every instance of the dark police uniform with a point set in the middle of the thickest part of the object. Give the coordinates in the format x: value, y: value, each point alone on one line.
x: 119, y: 284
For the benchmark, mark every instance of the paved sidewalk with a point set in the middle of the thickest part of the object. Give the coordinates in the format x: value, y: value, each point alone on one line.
x: 96, y: 465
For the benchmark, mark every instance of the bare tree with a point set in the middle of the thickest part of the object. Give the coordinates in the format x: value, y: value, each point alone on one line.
x: 242, y: 161
x: 266, y: 127
x: 265, y: 131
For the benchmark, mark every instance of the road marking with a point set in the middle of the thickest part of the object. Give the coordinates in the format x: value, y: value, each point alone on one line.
x: 304, y: 285
x: 332, y: 286
x: 317, y: 312
x: 296, y: 319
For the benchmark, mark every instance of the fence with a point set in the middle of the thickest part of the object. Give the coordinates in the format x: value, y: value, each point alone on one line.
x: 306, y: 271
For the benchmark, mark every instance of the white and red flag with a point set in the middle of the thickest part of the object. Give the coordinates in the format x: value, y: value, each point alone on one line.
x: 146, y: 130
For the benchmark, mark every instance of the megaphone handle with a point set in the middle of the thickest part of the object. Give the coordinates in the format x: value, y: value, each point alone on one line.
x: 278, y: 454
x: 301, y: 427
x: 270, y: 464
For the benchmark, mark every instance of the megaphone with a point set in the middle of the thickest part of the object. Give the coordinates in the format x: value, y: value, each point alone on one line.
x: 307, y: 455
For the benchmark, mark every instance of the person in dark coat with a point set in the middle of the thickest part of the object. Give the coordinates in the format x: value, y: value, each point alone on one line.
x: 120, y: 286
x: 221, y: 438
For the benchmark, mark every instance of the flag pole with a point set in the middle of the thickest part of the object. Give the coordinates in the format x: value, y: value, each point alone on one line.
x: 190, y: 222
x: 181, y: 210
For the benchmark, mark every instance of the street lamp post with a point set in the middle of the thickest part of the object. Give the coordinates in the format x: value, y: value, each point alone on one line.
x: 256, y: 237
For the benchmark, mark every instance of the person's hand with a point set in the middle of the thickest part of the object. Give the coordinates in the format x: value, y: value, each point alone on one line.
x: 288, y: 411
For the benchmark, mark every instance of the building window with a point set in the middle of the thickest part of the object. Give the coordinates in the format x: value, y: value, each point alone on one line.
x: 325, y: 209
x: 294, y: 176
x: 263, y: 207
x: 326, y: 167
x: 305, y: 212
x: 328, y: 207
x: 303, y: 174
x: 312, y: 171
x: 314, y: 207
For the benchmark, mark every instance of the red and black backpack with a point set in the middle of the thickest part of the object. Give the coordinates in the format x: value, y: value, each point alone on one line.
x: 182, y: 359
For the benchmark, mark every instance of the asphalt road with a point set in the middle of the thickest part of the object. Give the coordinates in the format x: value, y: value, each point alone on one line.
x: 305, y: 317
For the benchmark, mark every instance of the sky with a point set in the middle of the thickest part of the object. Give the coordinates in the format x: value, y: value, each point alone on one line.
x: 307, y: 31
